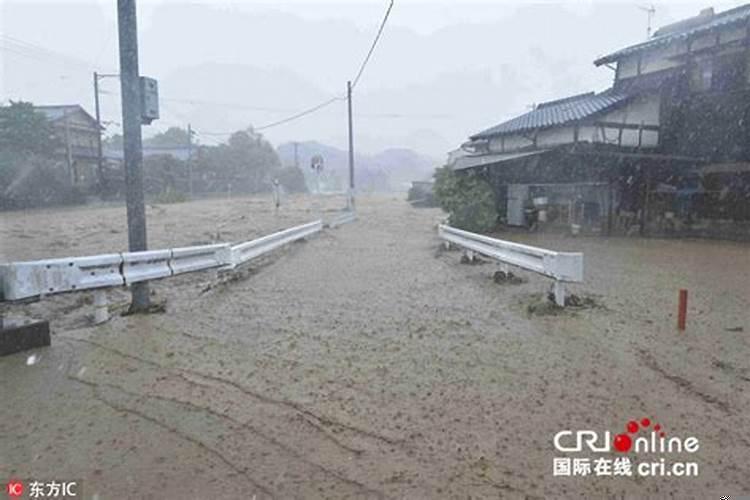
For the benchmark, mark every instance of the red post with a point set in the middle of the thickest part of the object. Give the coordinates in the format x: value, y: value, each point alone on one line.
x: 682, y: 310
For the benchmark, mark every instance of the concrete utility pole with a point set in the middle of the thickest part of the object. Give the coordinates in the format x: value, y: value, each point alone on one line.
x: 133, y: 148
x: 190, y: 160
x: 296, y: 155
x: 351, y: 146
x: 100, y: 154
x: 100, y: 160
x: 69, y: 149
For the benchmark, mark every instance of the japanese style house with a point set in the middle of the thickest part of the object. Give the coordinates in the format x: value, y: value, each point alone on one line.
x: 665, y: 149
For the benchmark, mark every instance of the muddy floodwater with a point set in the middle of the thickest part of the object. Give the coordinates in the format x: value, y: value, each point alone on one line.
x: 369, y: 363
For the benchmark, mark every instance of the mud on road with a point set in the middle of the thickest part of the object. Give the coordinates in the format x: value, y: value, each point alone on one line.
x: 366, y: 363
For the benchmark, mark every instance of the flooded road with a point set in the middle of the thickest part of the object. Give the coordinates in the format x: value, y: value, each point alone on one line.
x: 368, y: 363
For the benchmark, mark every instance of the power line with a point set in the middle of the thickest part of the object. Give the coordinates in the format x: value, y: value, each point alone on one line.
x: 228, y: 105
x: 356, y: 79
x: 372, y: 47
x: 300, y: 114
x: 38, y: 52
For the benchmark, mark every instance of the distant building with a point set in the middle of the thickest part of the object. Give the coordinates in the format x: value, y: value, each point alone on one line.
x: 78, y: 132
x: 177, y: 152
x: 667, y: 148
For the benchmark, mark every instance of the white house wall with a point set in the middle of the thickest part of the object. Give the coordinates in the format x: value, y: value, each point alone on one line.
x: 668, y: 57
x: 662, y: 58
x: 555, y: 136
x: 510, y: 143
x: 642, y: 109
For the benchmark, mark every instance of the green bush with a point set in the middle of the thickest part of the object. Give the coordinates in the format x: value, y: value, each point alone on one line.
x: 170, y: 195
x: 30, y: 180
x: 468, y: 199
x: 292, y: 179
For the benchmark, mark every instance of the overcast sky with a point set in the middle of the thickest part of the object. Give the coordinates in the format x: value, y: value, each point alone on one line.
x: 443, y: 70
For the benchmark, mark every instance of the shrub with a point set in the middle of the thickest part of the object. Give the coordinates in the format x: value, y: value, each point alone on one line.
x: 292, y: 179
x: 468, y: 199
x: 30, y: 180
x: 170, y: 195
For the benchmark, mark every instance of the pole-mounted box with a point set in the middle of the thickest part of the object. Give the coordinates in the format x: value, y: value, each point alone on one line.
x: 149, y: 100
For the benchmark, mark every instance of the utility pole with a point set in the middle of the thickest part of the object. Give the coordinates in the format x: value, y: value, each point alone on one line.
x: 100, y: 154
x: 69, y: 149
x: 351, y: 147
x: 100, y: 160
x: 132, y: 145
x: 296, y: 156
x: 190, y: 160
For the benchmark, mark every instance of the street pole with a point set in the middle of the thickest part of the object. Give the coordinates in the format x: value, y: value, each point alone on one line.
x: 100, y: 162
x: 351, y: 147
x: 132, y: 145
x: 190, y: 160
x: 69, y: 150
x: 296, y: 156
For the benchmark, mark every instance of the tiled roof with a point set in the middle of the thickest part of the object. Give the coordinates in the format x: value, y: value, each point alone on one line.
x: 689, y: 27
x: 558, y: 112
x: 58, y: 111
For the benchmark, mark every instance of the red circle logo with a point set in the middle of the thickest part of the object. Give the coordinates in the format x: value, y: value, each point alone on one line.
x: 15, y: 488
x: 623, y: 443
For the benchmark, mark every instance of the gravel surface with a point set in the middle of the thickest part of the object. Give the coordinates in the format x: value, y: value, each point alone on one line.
x: 369, y: 363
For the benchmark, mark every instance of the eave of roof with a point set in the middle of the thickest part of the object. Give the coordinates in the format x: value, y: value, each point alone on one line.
x: 55, y: 112
x: 556, y: 113
x: 723, y: 19
x: 492, y: 159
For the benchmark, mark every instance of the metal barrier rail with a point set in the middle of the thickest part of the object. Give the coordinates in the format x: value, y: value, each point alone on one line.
x: 342, y: 219
x: 23, y: 280
x: 561, y: 266
x: 249, y: 250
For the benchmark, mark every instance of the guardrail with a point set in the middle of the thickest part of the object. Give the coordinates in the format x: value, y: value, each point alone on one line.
x: 561, y: 266
x: 24, y: 280
x: 341, y: 219
x: 243, y: 252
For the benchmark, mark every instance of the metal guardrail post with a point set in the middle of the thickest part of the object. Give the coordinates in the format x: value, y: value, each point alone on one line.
x: 562, y: 267
x: 101, y: 306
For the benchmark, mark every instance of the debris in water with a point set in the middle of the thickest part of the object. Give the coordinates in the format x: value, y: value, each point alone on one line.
x: 32, y: 360
x: 507, y: 278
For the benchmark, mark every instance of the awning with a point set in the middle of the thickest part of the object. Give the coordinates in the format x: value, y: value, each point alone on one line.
x: 484, y: 160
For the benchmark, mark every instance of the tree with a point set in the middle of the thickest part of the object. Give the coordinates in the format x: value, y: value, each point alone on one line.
x: 468, y: 199
x: 24, y: 130
x: 172, y: 137
x: 246, y: 163
x: 30, y: 175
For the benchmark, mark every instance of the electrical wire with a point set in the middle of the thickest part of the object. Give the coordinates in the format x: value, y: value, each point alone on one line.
x: 300, y: 114
x: 372, y: 47
x: 38, y: 52
x: 355, y: 81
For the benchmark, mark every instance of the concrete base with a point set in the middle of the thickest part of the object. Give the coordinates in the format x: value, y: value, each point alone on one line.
x: 19, y: 338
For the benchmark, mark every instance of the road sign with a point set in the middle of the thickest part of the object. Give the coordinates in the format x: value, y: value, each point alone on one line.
x: 316, y: 163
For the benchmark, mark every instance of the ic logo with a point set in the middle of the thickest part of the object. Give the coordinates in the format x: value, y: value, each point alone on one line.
x: 15, y: 488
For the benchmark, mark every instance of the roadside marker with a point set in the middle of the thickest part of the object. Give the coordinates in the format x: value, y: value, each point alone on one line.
x: 682, y: 310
